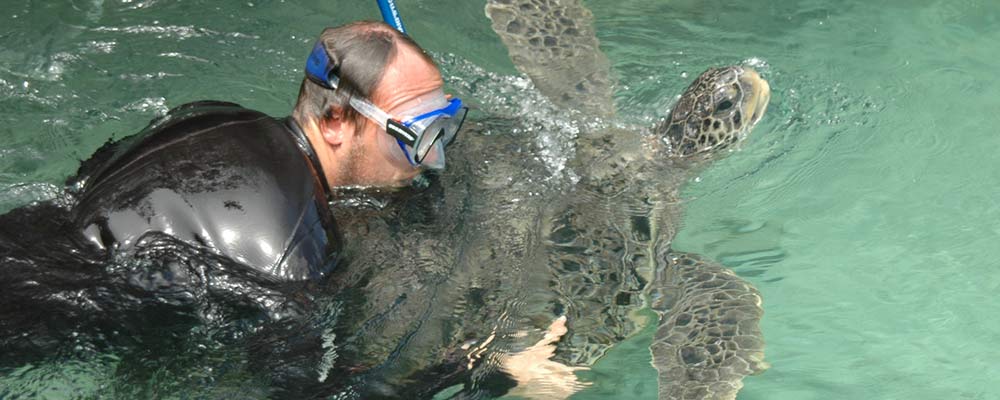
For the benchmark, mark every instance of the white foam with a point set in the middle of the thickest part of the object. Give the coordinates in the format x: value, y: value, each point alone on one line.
x: 514, y: 96
x: 158, y: 105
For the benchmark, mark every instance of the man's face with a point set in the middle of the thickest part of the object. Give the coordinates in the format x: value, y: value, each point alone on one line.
x: 406, y: 82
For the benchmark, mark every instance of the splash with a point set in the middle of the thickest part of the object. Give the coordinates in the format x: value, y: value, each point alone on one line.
x: 515, y: 97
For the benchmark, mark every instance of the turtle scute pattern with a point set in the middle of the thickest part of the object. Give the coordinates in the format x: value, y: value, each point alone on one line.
x: 709, y: 336
x: 623, y: 215
x: 553, y: 42
x: 708, y: 114
x: 595, y: 279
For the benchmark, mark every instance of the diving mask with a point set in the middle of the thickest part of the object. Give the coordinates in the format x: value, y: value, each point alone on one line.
x: 423, y: 132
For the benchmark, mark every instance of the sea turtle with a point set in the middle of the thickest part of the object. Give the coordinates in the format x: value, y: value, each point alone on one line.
x: 443, y: 286
x: 608, y: 240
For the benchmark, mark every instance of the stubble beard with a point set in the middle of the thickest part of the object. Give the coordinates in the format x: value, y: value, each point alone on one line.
x: 352, y: 171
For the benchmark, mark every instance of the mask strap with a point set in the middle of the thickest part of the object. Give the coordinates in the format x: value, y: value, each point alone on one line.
x: 401, y: 132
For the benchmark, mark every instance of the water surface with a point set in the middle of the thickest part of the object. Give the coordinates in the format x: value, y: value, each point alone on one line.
x: 863, y: 206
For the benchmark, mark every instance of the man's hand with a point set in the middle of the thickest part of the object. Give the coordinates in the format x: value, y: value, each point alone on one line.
x: 537, y: 376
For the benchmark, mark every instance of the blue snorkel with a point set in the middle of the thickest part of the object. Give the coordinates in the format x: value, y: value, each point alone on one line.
x: 391, y: 15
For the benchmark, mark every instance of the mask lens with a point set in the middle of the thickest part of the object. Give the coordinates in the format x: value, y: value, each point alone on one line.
x: 431, y: 135
x: 453, y: 125
x: 434, y: 158
x: 442, y: 129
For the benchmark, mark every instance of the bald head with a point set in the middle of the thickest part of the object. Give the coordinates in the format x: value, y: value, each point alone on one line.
x: 361, y: 51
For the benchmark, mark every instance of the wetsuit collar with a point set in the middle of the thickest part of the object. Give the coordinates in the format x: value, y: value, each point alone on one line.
x: 306, y: 147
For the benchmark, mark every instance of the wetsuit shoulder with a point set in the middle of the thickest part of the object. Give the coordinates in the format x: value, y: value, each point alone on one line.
x: 203, y: 112
x: 217, y: 175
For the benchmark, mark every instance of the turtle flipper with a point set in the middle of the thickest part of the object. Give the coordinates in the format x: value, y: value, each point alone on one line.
x: 709, y: 335
x: 553, y: 42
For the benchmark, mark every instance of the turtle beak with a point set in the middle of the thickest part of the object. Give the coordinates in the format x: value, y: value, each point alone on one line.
x: 759, y: 95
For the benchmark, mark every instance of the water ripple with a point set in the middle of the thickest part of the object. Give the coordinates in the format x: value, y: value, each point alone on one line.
x: 179, y: 32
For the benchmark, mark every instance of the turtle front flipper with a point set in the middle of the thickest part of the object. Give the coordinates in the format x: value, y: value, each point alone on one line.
x: 709, y: 335
x: 553, y: 42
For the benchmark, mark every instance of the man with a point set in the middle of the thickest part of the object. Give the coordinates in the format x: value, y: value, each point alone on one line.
x: 254, y: 188
x: 236, y: 184
x: 214, y: 209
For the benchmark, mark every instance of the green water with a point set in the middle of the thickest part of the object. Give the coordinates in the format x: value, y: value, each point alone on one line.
x: 863, y: 207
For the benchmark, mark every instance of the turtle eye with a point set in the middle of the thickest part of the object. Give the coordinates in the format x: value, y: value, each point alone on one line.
x: 725, y: 105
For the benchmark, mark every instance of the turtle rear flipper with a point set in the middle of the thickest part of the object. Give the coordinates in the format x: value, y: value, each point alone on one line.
x: 709, y: 335
x: 553, y: 42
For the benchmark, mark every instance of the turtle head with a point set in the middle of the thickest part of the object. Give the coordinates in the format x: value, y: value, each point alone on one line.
x: 717, y: 110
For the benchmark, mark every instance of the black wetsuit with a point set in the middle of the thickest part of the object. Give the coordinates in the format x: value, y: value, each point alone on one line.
x: 235, y: 181
x: 213, y: 215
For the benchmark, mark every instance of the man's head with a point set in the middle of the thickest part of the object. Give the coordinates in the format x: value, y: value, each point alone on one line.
x: 376, y: 63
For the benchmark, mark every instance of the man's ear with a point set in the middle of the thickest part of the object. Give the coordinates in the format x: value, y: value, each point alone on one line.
x: 335, y: 127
